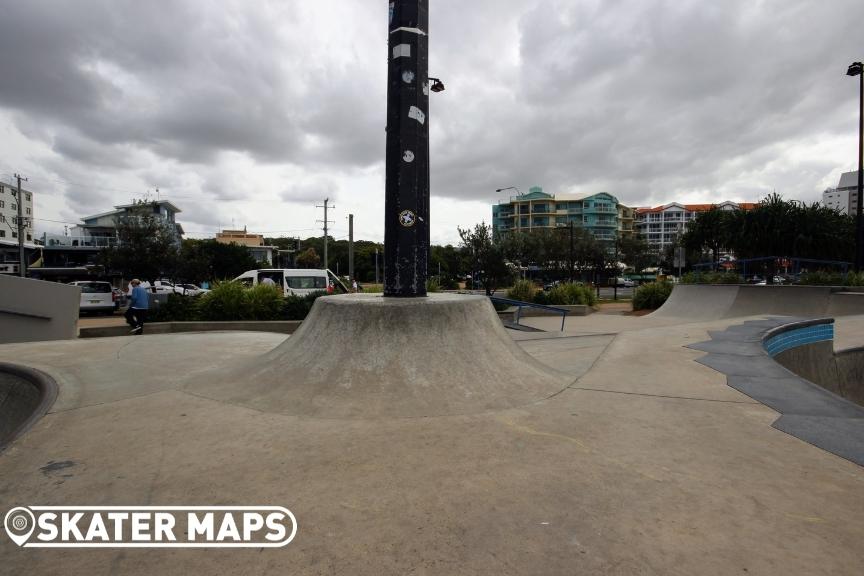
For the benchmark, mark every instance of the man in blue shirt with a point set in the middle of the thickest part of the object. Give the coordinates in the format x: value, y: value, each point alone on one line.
x: 139, y: 303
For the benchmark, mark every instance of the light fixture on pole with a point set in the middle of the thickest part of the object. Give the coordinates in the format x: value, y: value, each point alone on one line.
x: 436, y: 85
x: 857, y: 69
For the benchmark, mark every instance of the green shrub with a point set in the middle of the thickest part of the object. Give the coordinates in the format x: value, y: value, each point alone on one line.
x: 295, y: 308
x: 829, y: 278
x: 541, y: 297
x: 500, y: 307
x: 711, y: 278
x: 432, y: 285
x: 225, y: 302
x: 263, y: 302
x: 570, y: 293
x: 522, y: 290
x: 177, y: 309
x: 854, y: 279
x: 651, y: 296
x: 449, y: 283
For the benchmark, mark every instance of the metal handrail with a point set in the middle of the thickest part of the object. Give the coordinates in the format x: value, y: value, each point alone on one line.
x: 520, y: 304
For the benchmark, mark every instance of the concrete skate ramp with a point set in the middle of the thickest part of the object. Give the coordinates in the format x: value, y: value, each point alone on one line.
x: 700, y: 302
x: 365, y: 356
x: 25, y: 396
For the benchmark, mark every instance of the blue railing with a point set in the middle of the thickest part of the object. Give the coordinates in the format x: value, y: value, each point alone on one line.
x: 520, y: 304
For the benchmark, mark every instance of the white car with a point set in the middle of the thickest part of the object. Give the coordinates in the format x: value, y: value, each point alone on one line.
x: 96, y: 296
x: 625, y: 282
x: 189, y: 290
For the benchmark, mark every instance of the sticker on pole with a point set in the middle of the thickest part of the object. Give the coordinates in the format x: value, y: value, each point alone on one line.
x: 417, y: 114
x: 407, y: 218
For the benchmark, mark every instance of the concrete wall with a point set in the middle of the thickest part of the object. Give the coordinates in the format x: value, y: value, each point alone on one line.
x: 33, y: 310
x: 813, y: 358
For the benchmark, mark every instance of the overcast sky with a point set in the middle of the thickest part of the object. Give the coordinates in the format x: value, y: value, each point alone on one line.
x: 252, y: 112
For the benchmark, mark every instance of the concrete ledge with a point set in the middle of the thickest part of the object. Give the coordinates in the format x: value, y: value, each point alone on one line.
x: 278, y: 326
x: 25, y: 396
x: 572, y: 310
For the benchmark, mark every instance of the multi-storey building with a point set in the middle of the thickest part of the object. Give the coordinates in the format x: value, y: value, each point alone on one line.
x: 9, y: 248
x: 81, y: 247
x: 663, y: 225
x: 254, y: 242
x: 845, y: 197
x: 598, y: 213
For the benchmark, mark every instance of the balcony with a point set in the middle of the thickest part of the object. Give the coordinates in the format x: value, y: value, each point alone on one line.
x: 57, y: 242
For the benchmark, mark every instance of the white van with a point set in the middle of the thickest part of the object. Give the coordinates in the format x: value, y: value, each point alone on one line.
x: 297, y: 282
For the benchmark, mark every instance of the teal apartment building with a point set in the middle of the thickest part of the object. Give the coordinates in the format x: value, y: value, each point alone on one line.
x: 600, y: 213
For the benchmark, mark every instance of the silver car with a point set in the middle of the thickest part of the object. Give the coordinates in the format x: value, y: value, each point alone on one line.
x: 96, y: 296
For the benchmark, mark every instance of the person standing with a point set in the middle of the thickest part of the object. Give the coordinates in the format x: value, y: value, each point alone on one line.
x: 139, y: 304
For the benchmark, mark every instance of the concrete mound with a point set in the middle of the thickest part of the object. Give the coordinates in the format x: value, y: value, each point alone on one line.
x: 25, y: 396
x: 365, y: 356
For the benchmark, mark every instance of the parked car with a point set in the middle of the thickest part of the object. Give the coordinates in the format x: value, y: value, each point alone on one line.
x: 119, y: 298
x: 624, y: 283
x: 96, y: 296
x: 298, y: 282
x: 189, y: 290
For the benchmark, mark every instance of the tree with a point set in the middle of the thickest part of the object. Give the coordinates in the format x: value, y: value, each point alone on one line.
x: 486, y: 256
x: 635, y: 252
x: 147, y: 245
x: 202, y: 260
x: 710, y: 229
x: 309, y: 259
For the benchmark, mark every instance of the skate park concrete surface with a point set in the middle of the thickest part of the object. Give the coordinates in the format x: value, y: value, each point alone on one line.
x: 623, y: 455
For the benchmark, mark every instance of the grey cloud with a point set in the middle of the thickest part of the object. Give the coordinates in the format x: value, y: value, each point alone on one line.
x: 646, y: 99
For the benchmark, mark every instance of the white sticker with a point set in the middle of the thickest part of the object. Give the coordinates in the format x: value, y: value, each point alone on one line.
x: 417, y: 114
x: 426, y: 88
x: 408, y: 76
x: 402, y: 50
x: 407, y: 218
x: 408, y: 156
x: 411, y: 30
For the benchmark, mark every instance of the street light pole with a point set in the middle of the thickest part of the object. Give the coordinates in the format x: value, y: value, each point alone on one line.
x: 518, y: 202
x: 857, y: 69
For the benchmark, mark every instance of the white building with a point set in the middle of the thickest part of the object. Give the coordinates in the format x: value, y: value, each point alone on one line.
x: 845, y: 197
x: 662, y: 225
x: 9, y: 252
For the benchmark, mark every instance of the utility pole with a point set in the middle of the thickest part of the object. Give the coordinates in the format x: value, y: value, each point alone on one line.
x: 351, y: 247
x: 376, y: 266
x: 22, y: 261
x: 326, y: 222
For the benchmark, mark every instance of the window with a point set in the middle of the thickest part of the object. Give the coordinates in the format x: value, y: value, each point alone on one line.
x: 29, y: 237
x: 28, y: 210
x: 2, y: 218
x: 95, y: 287
x: 14, y: 234
x: 14, y: 206
x: 2, y: 233
x: 306, y: 282
x: 2, y: 204
x: 29, y: 197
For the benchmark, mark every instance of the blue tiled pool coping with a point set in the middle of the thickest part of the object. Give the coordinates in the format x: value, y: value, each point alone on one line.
x: 798, y: 334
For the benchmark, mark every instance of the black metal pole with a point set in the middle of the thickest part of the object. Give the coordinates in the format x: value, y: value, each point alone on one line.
x: 859, y: 222
x: 571, y: 251
x: 406, y: 211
